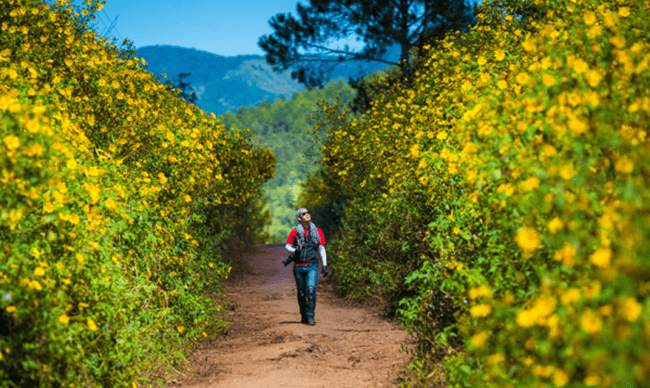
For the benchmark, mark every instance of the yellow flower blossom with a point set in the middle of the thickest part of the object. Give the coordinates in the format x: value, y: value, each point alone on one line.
x: 530, y: 184
x: 63, y: 318
x: 11, y: 142
x: 548, y: 80
x: 590, y: 322
x: 601, y: 257
x: 478, y: 340
x: 554, y: 225
x: 560, y: 378
x: 481, y: 310
x: 92, y: 325
x: 528, y: 240
x: 631, y: 309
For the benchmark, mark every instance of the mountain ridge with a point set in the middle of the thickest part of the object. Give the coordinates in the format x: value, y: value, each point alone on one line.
x: 226, y: 83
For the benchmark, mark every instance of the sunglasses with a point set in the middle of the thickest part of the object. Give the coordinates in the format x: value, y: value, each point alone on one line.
x: 304, y: 213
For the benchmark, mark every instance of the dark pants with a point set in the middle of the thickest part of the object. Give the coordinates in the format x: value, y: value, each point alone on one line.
x: 306, y: 278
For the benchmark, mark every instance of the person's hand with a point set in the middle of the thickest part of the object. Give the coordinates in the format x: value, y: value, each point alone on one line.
x: 324, y: 271
x: 286, y: 261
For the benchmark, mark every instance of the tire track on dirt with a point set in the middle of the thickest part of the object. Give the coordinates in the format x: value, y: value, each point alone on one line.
x: 267, y: 346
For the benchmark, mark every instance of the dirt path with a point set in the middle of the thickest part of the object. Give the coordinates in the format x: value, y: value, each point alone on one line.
x: 267, y: 346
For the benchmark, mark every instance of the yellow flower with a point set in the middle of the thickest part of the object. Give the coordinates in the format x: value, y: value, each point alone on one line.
x: 593, y: 78
x: 590, y: 18
x: 495, y: 358
x: 528, y: 240
x: 39, y: 271
x: 560, y: 378
x: 617, y: 41
x: 605, y: 310
x: 565, y: 254
x: 415, y: 151
x: 522, y: 79
x: 180, y: 329
x: 94, y: 192
x: 529, y: 45
x: 80, y: 259
x: 548, y: 80
x: 544, y: 306
x: 580, y: 66
x: 188, y: 198
x: 591, y: 380
x: 567, y: 171
x: 11, y: 142
x: 481, y: 61
x: 480, y: 291
x: 624, y: 12
x: 601, y: 257
x: 502, y: 84
x: 526, y: 318
x: 499, y: 55
x: 71, y: 164
x: 554, y: 225
x: 631, y: 309
x: 506, y: 188
x: 10, y: 309
x: 624, y: 165
x: 91, y: 325
x: 36, y: 253
x: 481, y: 310
x: 479, y: 339
x: 591, y: 322
x: 110, y: 204
x: 530, y: 183
x: 63, y: 318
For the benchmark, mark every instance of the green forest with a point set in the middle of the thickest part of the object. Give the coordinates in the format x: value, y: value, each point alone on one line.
x: 284, y: 127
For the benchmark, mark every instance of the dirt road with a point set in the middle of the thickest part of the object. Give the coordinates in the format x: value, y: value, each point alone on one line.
x: 267, y: 346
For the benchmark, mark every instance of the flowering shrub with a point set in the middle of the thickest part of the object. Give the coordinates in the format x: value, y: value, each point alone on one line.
x: 117, y: 200
x: 512, y: 176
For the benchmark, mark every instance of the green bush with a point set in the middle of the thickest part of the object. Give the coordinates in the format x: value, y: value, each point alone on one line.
x: 118, y: 201
x: 520, y: 151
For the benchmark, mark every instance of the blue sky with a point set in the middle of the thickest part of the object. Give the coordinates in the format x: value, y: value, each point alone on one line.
x: 224, y: 27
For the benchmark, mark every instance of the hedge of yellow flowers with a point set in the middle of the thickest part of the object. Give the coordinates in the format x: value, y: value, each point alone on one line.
x: 118, y: 201
x: 500, y: 202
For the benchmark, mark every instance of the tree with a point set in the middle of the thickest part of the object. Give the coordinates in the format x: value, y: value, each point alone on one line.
x: 187, y: 92
x: 304, y: 44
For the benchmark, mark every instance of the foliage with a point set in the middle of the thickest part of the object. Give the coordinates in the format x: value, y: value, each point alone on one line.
x: 305, y: 45
x: 284, y: 127
x: 118, y: 201
x: 503, y: 195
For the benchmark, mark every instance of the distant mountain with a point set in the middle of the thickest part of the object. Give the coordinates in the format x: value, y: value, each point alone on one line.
x: 227, y: 83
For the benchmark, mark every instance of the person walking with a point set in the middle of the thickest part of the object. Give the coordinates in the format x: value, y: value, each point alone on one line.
x: 305, y: 242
